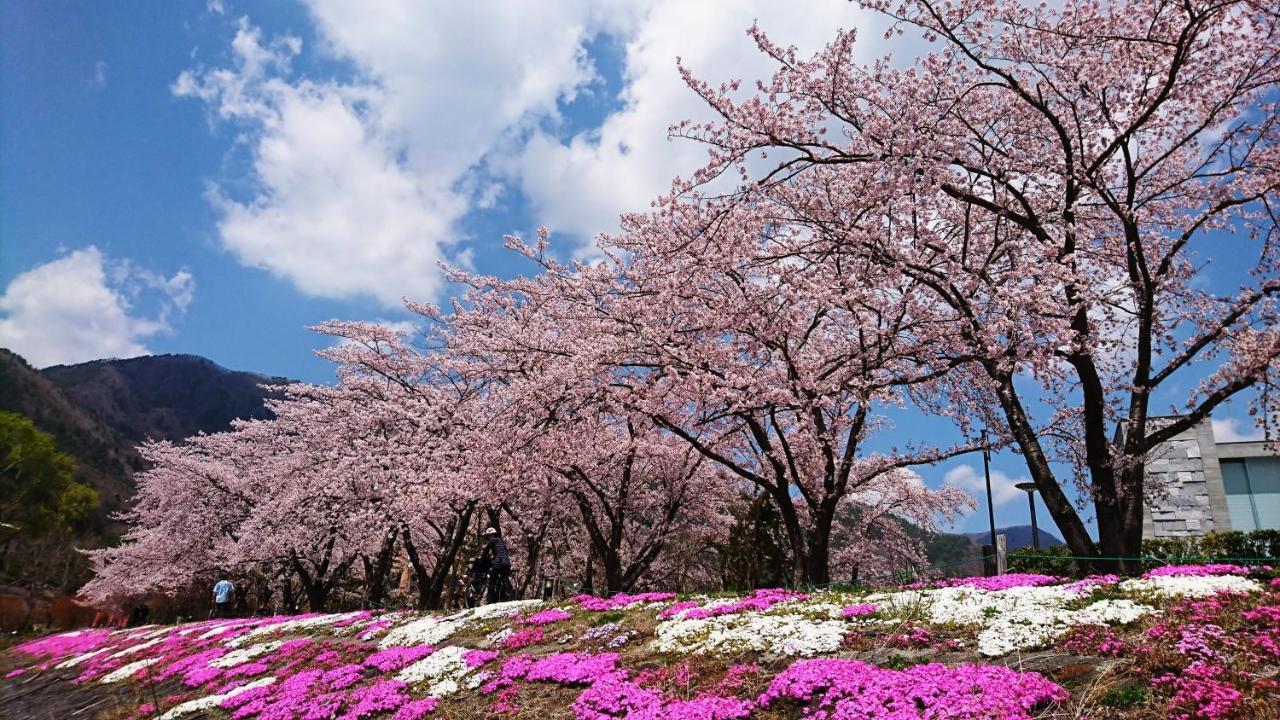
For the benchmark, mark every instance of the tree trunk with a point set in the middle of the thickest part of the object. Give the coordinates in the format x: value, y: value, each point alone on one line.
x: 287, y: 596
x: 1060, y: 508
x: 800, y: 557
x: 377, y: 569
x: 431, y: 581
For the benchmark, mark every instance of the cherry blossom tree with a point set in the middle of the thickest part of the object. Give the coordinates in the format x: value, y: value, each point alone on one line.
x: 719, y: 328
x: 1049, y: 186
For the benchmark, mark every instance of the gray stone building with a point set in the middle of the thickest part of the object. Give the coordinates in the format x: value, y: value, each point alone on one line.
x: 1197, y: 485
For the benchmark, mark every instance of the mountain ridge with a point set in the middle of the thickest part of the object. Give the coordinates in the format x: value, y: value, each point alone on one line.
x: 98, y: 412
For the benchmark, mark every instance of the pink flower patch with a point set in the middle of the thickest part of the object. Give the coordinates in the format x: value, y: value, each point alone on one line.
x: 619, y: 601
x: 416, y: 709
x: 1196, y: 570
x: 860, y: 690
x: 523, y: 638
x: 476, y: 658
x: 397, y: 658
x: 1001, y: 582
x: 546, y: 617
x: 856, y: 611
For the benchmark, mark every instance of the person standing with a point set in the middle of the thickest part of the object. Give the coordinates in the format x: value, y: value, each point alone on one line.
x: 222, y: 591
x: 499, y: 560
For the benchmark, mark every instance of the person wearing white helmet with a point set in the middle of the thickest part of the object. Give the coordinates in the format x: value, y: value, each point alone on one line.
x: 499, y: 560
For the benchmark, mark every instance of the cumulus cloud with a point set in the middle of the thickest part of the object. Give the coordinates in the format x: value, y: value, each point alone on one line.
x: 84, y: 306
x: 362, y: 186
x: 1230, y: 430
x: 582, y: 184
x: 971, y: 480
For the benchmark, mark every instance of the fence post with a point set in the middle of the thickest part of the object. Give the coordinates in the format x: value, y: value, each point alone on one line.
x: 1002, y: 560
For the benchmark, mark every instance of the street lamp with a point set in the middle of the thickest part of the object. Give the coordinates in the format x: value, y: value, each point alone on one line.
x: 1030, y: 487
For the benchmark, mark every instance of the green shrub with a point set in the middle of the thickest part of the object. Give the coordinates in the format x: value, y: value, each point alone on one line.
x: 1233, y: 545
x: 1048, y: 561
x: 1123, y: 697
x: 605, y: 618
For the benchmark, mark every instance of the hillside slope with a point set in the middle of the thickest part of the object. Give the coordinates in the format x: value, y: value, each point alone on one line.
x: 1181, y: 642
x: 105, y: 459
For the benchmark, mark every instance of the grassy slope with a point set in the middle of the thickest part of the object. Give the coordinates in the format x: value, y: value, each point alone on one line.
x: 1101, y: 685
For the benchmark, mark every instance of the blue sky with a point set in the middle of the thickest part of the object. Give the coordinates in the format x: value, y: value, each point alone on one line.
x: 213, y: 177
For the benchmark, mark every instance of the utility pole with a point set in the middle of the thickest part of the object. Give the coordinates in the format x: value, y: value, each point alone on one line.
x: 986, y: 471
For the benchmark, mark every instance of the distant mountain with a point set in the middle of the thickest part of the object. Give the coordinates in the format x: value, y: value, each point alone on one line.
x: 1016, y: 536
x: 164, y: 396
x: 105, y: 460
x: 98, y: 412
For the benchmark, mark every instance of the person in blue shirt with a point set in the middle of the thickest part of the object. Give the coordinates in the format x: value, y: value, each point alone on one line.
x: 222, y: 591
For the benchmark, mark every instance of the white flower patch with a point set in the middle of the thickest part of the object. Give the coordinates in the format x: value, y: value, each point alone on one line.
x: 1012, y: 631
x: 135, y: 648
x: 445, y: 670
x: 236, y: 657
x: 433, y: 630
x: 1191, y: 586
x: 127, y: 671
x: 502, y: 609
x: 212, y: 701
x: 780, y: 634
x: 79, y: 659
x: 1111, y: 612
x: 429, y: 630
x: 159, y: 631
x: 218, y: 629
x: 496, y: 637
x: 1017, y: 618
x: 291, y: 626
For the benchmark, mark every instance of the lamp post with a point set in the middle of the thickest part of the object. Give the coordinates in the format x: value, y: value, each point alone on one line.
x: 986, y: 471
x: 1030, y: 487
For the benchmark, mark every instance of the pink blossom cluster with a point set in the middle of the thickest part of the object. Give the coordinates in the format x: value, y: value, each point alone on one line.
x: 1196, y: 570
x: 756, y: 601
x: 523, y: 638
x: 1201, y: 692
x: 610, y: 692
x: 66, y: 644
x: 572, y: 668
x: 615, y: 696
x: 397, y: 658
x: 858, y: 610
x: 1094, y: 640
x: 1001, y: 582
x: 621, y: 600
x: 838, y: 689
x: 546, y: 617
x: 476, y: 658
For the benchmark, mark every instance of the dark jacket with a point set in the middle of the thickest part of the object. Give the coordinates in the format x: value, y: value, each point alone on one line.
x: 495, y: 551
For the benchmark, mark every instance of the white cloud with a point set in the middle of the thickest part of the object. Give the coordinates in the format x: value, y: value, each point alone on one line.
x: 333, y: 210
x: 582, y: 185
x: 83, y: 307
x: 970, y: 479
x: 100, y: 74
x: 360, y: 187
x: 1229, y: 430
